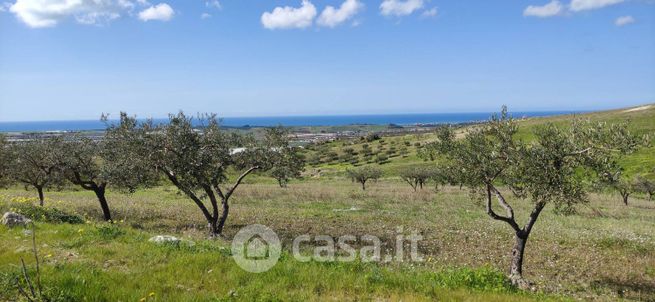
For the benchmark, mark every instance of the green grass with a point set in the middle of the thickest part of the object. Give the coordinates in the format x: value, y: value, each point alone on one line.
x: 606, y: 251
x: 99, y: 262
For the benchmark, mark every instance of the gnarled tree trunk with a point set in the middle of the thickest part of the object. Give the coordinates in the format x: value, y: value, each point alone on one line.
x: 516, y: 266
x: 521, y: 234
x: 100, y: 193
x: 625, y: 197
x: 41, y: 197
x: 223, y: 218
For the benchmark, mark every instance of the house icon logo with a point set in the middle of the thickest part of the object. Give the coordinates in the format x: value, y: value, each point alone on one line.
x: 256, y: 248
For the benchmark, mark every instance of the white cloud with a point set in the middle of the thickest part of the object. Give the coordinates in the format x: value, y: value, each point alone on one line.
x: 399, y: 7
x: 580, y: 5
x: 96, y: 17
x: 213, y: 3
x: 290, y: 17
x: 159, y: 12
x: 624, y: 20
x: 430, y: 13
x: 205, y: 16
x: 553, y: 8
x: 332, y: 17
x: 48, y: 13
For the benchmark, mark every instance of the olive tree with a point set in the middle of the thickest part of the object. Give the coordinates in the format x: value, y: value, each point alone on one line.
x: 545, y: 170
x: 5, y: 160
x: 35, y: 163
x: 417, y: 176
x: 199, y: 161
x: 625, y: 186
x: 114, y: 161
x: 289, y: 162
x: 645, y: 185
x: 364, y: 174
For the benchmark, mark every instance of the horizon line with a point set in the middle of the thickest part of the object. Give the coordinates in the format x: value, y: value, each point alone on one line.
x: 563, y: 111
x: 569, y: 110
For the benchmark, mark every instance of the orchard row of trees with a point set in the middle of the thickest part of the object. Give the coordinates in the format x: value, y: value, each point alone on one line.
x: 381, y: 152
x: 420, y: 175
x: 194, y: 155
x: 417, y: 176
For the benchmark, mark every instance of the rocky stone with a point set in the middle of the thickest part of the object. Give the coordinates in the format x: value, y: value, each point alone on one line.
x: 165, y: 239
x: 12, y: 219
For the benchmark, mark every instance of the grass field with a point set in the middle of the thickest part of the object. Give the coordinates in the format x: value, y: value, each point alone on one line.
x: 606, y: 251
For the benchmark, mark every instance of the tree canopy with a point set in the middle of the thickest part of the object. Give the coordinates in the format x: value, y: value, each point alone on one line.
x: 5, y: 159
x: 645, y: 185
x: 417, y: 176
x: 289, y: 163
x: 550, y: 169
x: 35, y: 163
x: 364, y: 174
x: 199, y: 161
x: 114, y: 161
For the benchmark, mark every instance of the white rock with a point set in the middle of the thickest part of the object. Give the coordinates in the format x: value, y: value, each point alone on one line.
x: 165, y: 239
x: 12, y: 219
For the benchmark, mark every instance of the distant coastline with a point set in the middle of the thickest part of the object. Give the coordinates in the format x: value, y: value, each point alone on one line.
x: 289, y: 121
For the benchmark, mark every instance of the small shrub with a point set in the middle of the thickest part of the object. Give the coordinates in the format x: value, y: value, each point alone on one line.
x: 47, y: 214
x: 108, y: 231
x: 485, y: 279
x: 372, y: 137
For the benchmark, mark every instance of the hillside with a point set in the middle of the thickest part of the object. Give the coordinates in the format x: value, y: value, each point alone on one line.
x: 391, y: 153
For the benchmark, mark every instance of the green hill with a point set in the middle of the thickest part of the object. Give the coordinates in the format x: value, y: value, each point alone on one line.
x: 391, y: 153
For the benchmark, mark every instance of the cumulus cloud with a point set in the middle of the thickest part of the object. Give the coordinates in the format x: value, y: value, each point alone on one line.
x: 205, y: 16
x: 159, y: 12
x: 430, y: 13
x: 581, y: 5
x: 400, y: 7
x: 290, y: 17
x: 332, y: 17
x: 48, y: 13
x: 550, y: 9
x: 624, y: 20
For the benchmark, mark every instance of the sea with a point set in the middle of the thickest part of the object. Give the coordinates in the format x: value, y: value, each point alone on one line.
x: 268, y: 121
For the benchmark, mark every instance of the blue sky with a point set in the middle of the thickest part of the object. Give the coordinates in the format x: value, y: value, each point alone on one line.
x: 74, y: 59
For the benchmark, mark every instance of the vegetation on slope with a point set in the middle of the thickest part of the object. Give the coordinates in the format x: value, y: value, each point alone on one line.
x: 400, y: 151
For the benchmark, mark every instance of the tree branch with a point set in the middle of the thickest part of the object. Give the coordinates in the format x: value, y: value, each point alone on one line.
x: 509, y: 220
x: 579, y: 152
x: 533, y: 217
x: 87, y: 185
x: 238, y: 182
x: 188, y: 192
x: 503, y: 203
x: 212, y: 198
